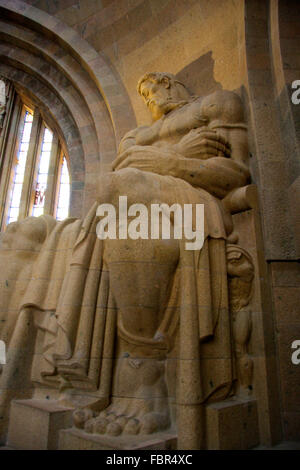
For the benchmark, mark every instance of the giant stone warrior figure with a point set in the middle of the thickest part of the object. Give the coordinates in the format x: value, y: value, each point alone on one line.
x: 135, y: 335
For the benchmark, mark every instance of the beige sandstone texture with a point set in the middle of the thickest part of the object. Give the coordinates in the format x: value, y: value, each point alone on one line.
x: 117, y: 320
x: 135, y: 344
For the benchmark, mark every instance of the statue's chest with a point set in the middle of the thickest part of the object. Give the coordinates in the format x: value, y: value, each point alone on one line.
x: 173, y: 126
x: 180, y: 122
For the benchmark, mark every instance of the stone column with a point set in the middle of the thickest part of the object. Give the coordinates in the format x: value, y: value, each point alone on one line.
x: 51, y: 191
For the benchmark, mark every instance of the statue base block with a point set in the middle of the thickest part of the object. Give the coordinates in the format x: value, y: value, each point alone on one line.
x: 75, y: 439
x: 232, y: 425
x: 35, y: 424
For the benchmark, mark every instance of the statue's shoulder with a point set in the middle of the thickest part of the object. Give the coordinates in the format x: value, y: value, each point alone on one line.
x: 134, y: 132
x: 130, y: 138
x: 223, y: 104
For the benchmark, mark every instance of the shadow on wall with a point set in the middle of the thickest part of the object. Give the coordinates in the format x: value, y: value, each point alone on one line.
x: 198, y: 76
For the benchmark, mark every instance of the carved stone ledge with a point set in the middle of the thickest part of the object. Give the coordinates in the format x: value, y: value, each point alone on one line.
x: 232, y: 425
x: 43, y: 420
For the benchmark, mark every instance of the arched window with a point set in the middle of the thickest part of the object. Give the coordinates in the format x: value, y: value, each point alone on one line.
x: 19, y: 166
x: 62, y: 207
x: 34, y: 169
x: 42, y: 173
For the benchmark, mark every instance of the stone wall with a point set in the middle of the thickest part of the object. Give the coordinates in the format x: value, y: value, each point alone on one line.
x: 198, y: 40
x: 81, y: 59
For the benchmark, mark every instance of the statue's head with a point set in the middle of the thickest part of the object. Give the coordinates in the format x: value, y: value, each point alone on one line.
x: 161, y: 92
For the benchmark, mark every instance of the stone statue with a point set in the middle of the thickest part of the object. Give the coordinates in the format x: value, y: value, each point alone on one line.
x: 241, y: 272
x: 3, y: 103
x: 135, y: 334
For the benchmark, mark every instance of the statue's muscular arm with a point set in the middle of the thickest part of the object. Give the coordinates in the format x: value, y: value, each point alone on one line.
x: 214, y: 158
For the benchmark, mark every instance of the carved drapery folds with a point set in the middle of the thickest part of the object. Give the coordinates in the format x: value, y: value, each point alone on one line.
x: 112, y: 315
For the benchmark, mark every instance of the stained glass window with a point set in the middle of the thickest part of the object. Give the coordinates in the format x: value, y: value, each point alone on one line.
x: 41, y: 181
x: 35, y: 175
x: 64, y: 192
x: 19, y: 170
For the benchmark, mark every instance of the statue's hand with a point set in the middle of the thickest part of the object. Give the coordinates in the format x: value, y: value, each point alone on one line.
x: 147, y: 158
x: 203, y: 144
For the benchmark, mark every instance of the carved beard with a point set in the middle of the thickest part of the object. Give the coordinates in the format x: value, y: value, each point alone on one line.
x: 160, y: 107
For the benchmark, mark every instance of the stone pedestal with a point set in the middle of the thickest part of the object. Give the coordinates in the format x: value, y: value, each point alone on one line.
x: 75, y: 439
x: 232, y: 425
x: 35, y: 424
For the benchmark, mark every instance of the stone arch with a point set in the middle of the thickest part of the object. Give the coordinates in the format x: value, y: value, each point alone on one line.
x: 62, y: 72
x: 56, y: 115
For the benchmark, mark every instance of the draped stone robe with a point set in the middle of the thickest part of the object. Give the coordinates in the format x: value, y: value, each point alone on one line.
x: 64, y: 334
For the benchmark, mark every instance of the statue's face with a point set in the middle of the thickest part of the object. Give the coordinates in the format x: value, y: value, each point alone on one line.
x: 157, y: 97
